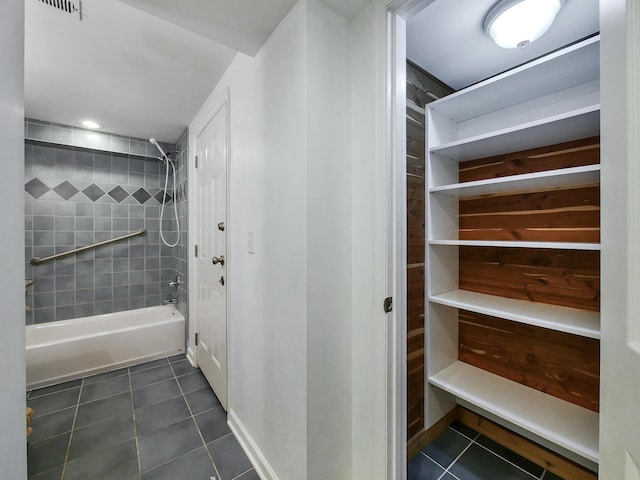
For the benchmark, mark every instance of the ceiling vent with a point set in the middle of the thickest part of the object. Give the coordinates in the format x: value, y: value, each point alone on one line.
x: 66, y: 6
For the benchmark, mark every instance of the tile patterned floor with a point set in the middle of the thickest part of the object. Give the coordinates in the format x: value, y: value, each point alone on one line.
x: 461, y: 453
x: 155, y: 421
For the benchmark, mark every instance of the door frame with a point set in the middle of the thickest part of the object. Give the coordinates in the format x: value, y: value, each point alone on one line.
x: 199, y: 123
x: 612, y: 15
x: 397, y: 14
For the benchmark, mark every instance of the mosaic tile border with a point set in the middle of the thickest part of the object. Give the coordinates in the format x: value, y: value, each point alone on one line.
x: 66, y: 190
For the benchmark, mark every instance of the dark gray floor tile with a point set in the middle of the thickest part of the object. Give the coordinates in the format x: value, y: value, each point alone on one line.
x: 250, y: 475
x: 551, y: 476
x: 54, y: 474
x: 146, y: 366
x: 54, y: 388
x: 156, y: 393
x: 423, y: 468
x: 55, y: 401
x: 448, y: 476
x: 202, y: 400
x: 103, y: 376
x: 510, y: 456
x: 101, y: 435
x: 152, y: 375
x: 161, y: 446
x: 119, y: 462
x: 158, y: 415
x: 48, y: 454
x: 183, y: 367
x: 479, y: 464
x: 103, y: 409
x: 104, y: 388
x: 464, y: 430
x: 45, y: 426
x: 177, y: 358
x: 446, y: 448
x: 213, y: 424
x: 228, y: 457
x: 196, y: 463
x: 193, y: 381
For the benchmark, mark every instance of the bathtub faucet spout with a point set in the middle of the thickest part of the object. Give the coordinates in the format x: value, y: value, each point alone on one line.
x: 173, y: 301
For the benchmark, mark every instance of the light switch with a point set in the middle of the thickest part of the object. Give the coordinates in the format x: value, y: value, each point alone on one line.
x: 251, y: 241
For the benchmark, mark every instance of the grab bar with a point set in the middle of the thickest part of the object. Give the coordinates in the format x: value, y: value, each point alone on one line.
x: 38, y: 261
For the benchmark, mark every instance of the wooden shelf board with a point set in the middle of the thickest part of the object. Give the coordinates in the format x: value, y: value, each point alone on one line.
x: 561, y: 423
x: 562, y: 319
x: 517, y: 244
x: 566, y: 177
x: 578, y: 63
x: 574, y: 125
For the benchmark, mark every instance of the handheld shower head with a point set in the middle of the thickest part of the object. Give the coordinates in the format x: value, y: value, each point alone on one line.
x: 157, y: 145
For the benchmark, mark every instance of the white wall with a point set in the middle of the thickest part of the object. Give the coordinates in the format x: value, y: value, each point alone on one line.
x: 13, y: 452
x: 267, y: 290
x: 307, y: 174
x: 329, y: 172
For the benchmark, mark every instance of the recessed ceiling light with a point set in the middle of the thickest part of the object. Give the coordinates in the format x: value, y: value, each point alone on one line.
x: 517, y: 23
x: 90, y: 124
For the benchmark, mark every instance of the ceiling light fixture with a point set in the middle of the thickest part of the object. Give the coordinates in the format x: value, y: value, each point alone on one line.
x: 90, y: 124
x: 517, y: 23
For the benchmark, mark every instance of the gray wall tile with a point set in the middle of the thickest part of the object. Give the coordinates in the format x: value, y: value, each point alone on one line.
x: 131, y: 274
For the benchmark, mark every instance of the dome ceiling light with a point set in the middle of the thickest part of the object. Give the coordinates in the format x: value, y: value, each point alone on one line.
x: 517, y: 23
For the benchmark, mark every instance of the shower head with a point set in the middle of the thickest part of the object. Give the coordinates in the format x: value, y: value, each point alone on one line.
x: 157, y: 145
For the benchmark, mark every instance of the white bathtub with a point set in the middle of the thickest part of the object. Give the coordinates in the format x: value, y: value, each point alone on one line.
x: 69, y: 349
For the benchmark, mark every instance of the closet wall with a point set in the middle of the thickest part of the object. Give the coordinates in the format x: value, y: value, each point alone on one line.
x: 422, y: 88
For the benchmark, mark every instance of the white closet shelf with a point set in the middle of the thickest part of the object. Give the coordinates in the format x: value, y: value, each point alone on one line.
x: 579, y: 63
x: 562, y: 319
x: 518, y: 244
x: 547, y: 180
x: 562, y: 423
x: 565, y: 127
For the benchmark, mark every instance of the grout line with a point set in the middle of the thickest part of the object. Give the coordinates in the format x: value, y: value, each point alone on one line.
x: 73, y: 426
x: 135, y: 428
x: 504, y: 459
x: 446, y: 470
x: 193, y: 419
x: 243, y: 473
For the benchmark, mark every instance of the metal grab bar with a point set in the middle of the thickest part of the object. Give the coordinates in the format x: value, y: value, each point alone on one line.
x: 38, y: 261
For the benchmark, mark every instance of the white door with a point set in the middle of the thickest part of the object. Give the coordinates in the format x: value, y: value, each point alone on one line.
x: 620, y: 192
x: 211, y: 266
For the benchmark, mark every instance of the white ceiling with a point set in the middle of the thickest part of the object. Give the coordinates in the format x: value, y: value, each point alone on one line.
x: 133, y: 73
x: 447, y: 40
x: 240, y: 24
x: 141, y: 68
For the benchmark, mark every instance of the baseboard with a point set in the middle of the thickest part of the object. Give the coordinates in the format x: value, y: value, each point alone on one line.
x: 538, y: 454
x: 259, y: 462
x: 425, y: 437
x: 191, y: 357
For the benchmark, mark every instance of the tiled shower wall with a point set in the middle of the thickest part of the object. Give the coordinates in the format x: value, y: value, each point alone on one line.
x: 181, y: 253
x: 75, y: 196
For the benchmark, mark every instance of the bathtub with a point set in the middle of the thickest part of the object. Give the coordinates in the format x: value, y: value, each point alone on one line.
x: 69, y: 349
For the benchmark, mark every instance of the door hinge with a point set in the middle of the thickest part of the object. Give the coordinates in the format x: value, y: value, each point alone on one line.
x: 197, y: 338
x: 196, y: 161
x: 196, y: 250
x: 388, y: 304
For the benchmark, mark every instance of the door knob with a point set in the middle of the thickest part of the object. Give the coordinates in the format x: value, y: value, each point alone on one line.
x: 218, y: 260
